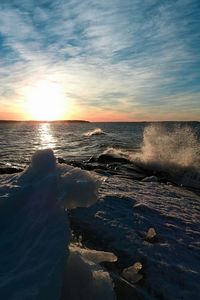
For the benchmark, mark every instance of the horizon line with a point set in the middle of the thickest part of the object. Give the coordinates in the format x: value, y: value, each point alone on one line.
x: 87, y: 121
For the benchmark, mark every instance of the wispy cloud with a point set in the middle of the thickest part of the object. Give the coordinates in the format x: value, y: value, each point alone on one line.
x: 131, y: 57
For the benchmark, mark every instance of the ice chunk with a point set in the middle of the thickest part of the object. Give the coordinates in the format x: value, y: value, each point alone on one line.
x: 85, y: 279
x: 93, y: 255
x: 43, y: 163
x: 137, y: 266
x: 151, y: 234
x: 78, y: 188
x: 131, y: 273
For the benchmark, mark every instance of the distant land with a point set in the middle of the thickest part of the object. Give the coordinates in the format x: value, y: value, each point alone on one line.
x: 85, y: 121
x: 41, y: 121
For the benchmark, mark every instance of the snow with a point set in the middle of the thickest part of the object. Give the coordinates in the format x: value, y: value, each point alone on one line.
x: 35, y: 232
x: 120, y: 223
x: 37, y: 261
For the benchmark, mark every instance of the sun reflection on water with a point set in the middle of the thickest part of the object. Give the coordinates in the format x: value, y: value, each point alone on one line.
x: 46, y: 138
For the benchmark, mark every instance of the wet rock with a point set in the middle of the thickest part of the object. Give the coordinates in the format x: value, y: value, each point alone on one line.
x: 76, y: 164
x: 151, y: 235
x: 150, y: 179
x: 61, y: 160
x: 92, y: 159
x: 132, y: 273
x: 107, y: 158
x: 10, y: 170
x: 102, y: 172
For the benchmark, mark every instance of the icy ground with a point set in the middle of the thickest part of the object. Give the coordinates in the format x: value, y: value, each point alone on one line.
x: 35, y: 234
x: 160, y: 263
x: 120, y: 221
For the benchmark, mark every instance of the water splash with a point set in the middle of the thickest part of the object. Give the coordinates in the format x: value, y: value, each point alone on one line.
x: 96, y: 131
x: 163, y: 146
x: 171, y: 151
x: 118, y: 152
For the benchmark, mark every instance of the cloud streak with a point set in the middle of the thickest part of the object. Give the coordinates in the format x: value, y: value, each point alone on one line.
x: 135, y: 59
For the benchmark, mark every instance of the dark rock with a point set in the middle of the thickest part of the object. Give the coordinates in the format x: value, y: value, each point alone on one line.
x: 150, y: 179
x: 102, y: 172
x: 76, y: 164
x: 88, y: 167
x: 92, y: 159
x: 107, y: 158
x: 10, y: 170
x: 61, y: 160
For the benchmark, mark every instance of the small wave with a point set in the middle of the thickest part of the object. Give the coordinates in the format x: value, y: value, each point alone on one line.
x: 96, y: 131
x: 117, y: 152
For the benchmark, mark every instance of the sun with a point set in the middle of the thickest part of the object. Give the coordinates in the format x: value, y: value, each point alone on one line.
x: 46, y: 101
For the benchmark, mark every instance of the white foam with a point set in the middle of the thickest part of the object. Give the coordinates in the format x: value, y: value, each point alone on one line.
x: 96, y: 131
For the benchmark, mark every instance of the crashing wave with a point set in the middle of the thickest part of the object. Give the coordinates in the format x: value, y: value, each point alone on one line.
x: 164, y: 146
x: 34, y: 227
x: 96, y: 131
x: 173, y: 152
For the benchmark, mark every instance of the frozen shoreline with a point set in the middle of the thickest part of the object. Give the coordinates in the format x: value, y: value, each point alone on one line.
x: 120, y: 221
x: 129, y: 204
x: 35, y: 232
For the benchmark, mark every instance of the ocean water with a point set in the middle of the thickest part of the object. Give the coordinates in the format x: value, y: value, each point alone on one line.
x: 109, y: 183
x: 165, y: 142
x: 18, y: 141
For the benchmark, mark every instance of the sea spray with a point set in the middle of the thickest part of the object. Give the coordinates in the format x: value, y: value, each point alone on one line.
x: 164, y: 146
x: 172, y: 151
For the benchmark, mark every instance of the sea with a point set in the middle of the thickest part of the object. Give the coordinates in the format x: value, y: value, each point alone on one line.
x: 80, y: 141
x: 165, y: 142
x: 125, y: 193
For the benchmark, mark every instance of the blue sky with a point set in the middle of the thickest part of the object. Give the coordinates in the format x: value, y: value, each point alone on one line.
x: 114, y: 59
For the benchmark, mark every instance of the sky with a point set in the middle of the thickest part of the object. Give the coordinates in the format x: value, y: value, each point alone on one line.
x: 106, y: 60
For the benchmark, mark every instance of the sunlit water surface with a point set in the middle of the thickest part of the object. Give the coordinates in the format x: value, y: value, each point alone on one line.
x: 80, y: 141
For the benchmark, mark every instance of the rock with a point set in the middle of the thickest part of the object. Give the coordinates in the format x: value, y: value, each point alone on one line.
x: 102, y: 172
x: 61, y: 160
x: 92, y: 159
x: 76, y: 164
x: 107, y: 158
x: 151, y: 235
x: 131, y: 273
x: 150, y: 179
x: 9, y: 170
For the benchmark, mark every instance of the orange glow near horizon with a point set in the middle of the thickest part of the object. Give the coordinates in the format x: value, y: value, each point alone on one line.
x: 48, y: 100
